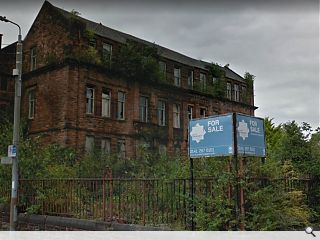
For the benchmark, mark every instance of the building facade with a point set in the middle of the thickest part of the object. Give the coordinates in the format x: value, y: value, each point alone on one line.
x: 71, y: 97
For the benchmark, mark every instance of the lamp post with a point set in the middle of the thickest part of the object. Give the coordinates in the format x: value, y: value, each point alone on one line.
x: 17, y: 73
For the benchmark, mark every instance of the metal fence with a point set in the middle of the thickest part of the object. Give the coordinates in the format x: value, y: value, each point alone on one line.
x: 135, y: 201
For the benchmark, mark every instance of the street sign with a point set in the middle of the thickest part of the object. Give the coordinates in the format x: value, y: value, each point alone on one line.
x: 6, y: 160
x: 211, y: 137
x: 12, y: 151
x: 250, y: 136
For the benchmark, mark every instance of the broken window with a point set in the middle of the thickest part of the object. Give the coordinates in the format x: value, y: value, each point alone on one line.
x: 190, y: 112
x: 202, y: 112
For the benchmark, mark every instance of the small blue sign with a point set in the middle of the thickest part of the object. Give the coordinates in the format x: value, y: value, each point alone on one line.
x: 12, y: 151
x: 250, y: 136
x: 211, y: 137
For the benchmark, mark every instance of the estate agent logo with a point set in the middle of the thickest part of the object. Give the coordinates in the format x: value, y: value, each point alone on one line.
x: 243, y: 129
x: 197, y: 133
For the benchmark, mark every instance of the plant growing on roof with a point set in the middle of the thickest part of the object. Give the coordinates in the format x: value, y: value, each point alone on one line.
x: 216, y: 73
x: 137, y: 61
x: 248, y: 78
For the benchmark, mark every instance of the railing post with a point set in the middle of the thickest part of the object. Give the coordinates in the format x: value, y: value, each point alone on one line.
x: 191, y: 210
x: 143, y: 203
x: 242, y: 210
x: 104, y: 196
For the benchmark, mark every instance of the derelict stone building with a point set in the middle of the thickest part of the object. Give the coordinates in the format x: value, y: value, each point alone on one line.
x: 72, y: 96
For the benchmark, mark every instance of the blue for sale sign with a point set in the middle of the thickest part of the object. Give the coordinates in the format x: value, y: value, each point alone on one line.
x: 211, y: 137
x: 250, y: 136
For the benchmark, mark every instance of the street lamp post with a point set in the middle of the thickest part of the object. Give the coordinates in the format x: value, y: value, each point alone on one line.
x: 17, y: 73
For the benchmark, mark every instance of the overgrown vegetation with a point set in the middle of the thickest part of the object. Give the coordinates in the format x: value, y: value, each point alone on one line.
x: 137, y: 61
x: 219, y: 84
x: 249, y: 79
x: 293, y: 152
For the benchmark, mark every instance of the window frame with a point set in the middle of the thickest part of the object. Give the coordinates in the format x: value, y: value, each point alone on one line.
x: 104, y: 145
x: 203, y: 81
x: 162, y: 113
x: 236, y: 92
x: 33, y: 58
x: 106, y: 103
x: 90, y: 100
x: 190, y: 113
x: 121, y: 153
x: 176, y: 115
x: 229, y: 91
x: 31, y: 103
x: 121, y: 103
x: 107, y: 54
x: 90, y: 148
x: 143, y: 108
x: 177, y: 76
x: 163, y: 68
x: 204, y: 109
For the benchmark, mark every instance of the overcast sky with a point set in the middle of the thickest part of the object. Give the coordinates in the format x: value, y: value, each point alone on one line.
x: 277, y: 42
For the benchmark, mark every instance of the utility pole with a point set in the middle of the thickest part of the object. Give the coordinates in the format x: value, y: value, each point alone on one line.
x: 17, y: 73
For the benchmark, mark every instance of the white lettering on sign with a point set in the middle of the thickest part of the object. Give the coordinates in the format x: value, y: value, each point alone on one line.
x: 214, y: 126
x: 254, y: 126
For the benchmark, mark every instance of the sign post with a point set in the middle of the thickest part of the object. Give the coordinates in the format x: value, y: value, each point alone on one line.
x: 231, y: 135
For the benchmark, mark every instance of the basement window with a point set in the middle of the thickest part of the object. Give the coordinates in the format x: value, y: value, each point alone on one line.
x: 89, y: 145
x: 121, y: 147
x: 106, y: 146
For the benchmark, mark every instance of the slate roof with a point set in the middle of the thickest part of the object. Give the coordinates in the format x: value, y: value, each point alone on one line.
x: 121, y: 37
